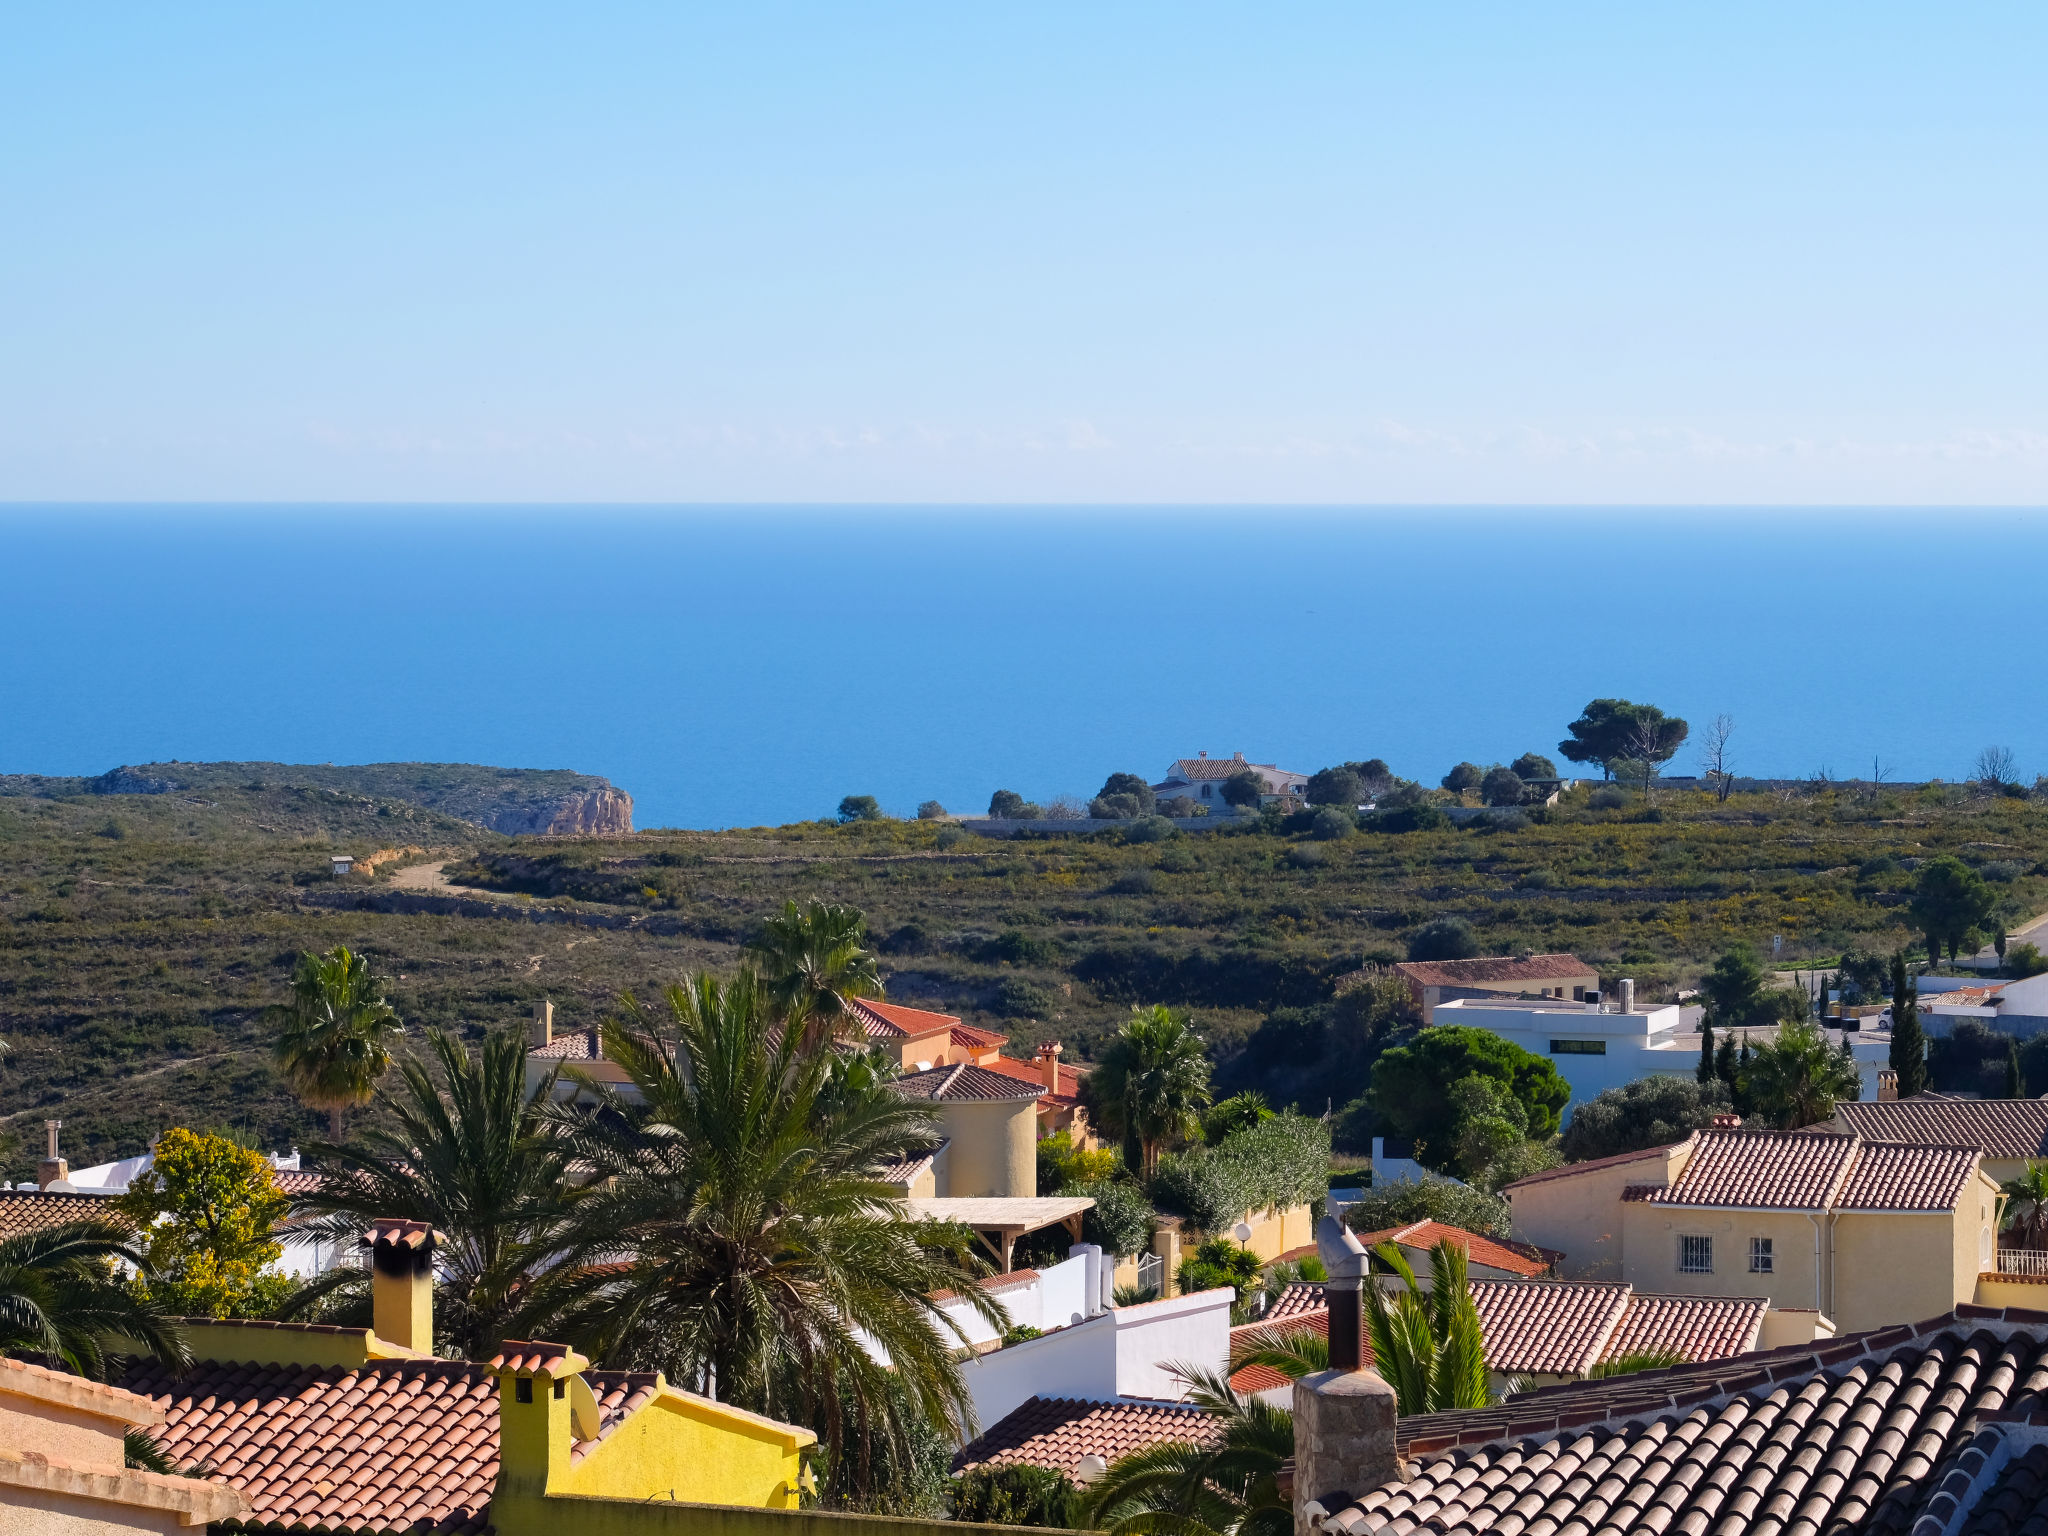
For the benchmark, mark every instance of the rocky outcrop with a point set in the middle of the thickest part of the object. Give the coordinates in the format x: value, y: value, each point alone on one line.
x: 131, y: 781
x: 603, y: 812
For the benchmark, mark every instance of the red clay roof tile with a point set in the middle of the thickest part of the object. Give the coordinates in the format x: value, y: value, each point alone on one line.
x: 1056, y: 1432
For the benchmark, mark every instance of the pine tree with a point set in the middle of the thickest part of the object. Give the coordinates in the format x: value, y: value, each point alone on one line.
x: 2012, y: 1069
x: 1909, y: 1046
x: 1706, y: 1067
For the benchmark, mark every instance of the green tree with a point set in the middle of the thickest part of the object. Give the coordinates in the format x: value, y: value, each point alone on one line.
x: 930, y: 810
x: 1332, y: 823
x: 1177, y: 1488
x: 746, y: 1238
x: 1245, y: 790
x: 1123, y: 797
x: 208, y: 1211
x: 1427, y: 1343
x: 1734, y: 989
x: 1412, y: 1086
x: 1462, y: 777
x: 1609, y: 729
x: 1533, y: 765
x: 1649, y: 1112
x: 1502, y: 786
x: 1797, y: 1078
x: 2012, y: 1069
x: 1150, y: 1086
x: 61, y: 1297
x: 1339, y: 786
x: 1909, y: 1045
x: 1445, y: 938
x: 1704, y: 1072
x: 1226, y: 1117
x: 1008, y: 805
x: 2024, y: 959
x: 859, y: 808
x: 1949, y: 900
x: 472, y: 1153
x: 813, y: 960
x: 1401, y: 1202
x: 2023, y: 1207
x: 334, y: 1037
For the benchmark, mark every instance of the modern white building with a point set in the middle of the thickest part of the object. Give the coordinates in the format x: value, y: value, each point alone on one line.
x: 1600, y: 1045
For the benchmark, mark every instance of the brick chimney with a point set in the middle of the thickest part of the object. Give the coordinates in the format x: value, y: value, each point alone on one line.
x: 402, y: 1283
x: 1343, y: 1417
x: 1049, y: 1065
x: 52, y: 1169
x: 541, y: 1033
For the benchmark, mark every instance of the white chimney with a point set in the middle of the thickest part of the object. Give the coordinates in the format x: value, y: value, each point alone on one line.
x: 1628, y: 995
x: 541, y: 1034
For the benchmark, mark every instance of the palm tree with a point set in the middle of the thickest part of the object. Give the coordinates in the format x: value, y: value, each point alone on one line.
x: 1797, y: 1078
x: 61, y: 1296
x: 1427, y: 1344
x: 1151, y: 1085
x: 474, y: 1154
x: 1178, y: 1488
x: 1293, y: 1352
x: 737, y: 1237
x: 813, y: 961
x: 334, y: 1036
x: 2025, y: 1202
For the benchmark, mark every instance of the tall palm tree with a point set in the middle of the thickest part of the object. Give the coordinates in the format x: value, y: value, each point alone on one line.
x: 60, y: 1295
x: 334, y: 1037
x: 1150, y: 1086
x: 475, y: 1154
x: 1427, y: 1343
x: 1178, y: 1488
x: 2025, y: 1206
x: 1797, y: 1078
x: 814, y: 961
x: 736, y: 1234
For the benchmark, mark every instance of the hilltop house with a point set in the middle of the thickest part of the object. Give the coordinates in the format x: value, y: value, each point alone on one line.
x: 1863, y: 1232
x: 1201, y: 778
x: 364, y: 1430
x: 1546, y: 976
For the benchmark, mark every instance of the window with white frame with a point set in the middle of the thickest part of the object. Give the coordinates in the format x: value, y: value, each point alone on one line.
x: 1695, y: 1255
x: 1761, y: 1260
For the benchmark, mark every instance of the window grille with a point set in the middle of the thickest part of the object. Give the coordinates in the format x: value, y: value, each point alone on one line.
x: 1761, y: 1260
x: 1695, y: 1255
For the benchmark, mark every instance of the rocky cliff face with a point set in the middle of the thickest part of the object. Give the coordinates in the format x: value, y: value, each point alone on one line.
x: 603, y: 812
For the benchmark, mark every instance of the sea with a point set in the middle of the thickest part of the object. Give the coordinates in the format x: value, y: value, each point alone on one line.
x: 741, y: 666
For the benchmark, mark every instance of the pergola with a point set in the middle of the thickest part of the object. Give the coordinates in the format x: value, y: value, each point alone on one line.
x: 1000, y: 1220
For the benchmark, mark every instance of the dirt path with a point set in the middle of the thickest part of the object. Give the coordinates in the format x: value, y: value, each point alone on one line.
x: 433, y: 878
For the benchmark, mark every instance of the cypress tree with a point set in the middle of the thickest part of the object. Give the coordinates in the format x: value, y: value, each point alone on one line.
x: 1909, y: 1046
x: 1705, y: 1072
x: 2012, y: 1069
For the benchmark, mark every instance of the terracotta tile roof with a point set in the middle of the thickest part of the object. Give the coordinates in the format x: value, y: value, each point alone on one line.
x: 580, y: 1045
x: 1864, y: 1436
x: 1891, y: 1177
x: 950, y: 1085
x: 304, y: 1182
x: 1193, y: 770
x: 30, y: 1211
x: 1056, y: 1432
x: 393, y: 1446
x: 1494, y: 970
x: 1572, y: 1170
x: 1762, y: 1170
x: 905, y: 1169
x: 411, y: 1235
x: 889, y: 1021
x: 1524, y: 1259
x: 968, y: 1038
x: 1263, y: 1378
x: 1696, y: 1327
x: 1031, y: 1072
x: 523, y: 1358
x: 1302, y: 1296
x: 2004, y: 1128
x: 2017, y: 1504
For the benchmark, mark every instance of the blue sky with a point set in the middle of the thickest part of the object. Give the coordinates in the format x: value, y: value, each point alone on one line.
x: 1100, y: 254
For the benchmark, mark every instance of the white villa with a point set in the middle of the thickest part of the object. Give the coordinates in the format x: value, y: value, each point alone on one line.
x: 1200, y: 778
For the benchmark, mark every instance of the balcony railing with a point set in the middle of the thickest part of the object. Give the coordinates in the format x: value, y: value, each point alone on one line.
x: 2023, y: 1261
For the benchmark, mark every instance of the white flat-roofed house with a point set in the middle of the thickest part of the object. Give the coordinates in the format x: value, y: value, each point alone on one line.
x: 1594, y: 1046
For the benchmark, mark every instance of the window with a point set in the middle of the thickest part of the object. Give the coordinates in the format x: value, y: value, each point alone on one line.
x: 1578, y: 1047
x: 1205, y: 791
x: 1761, y: 1261
x: 1578, y: 994
x: 1695, y: 1255
x: 522, y: 1390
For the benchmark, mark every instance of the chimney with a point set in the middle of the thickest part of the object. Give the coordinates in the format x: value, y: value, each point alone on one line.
x: 544, y: 1407
x: 402, y: 1283
x: 541, y: 1033
x: 52, y: 1169
x: 1628, y: 995
x: 1727, y: 1122
x: 1049, y: 1065
x: 1343, y: 1417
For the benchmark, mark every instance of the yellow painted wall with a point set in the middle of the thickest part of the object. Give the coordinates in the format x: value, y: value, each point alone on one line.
x: 580, y: 1516
x: 1996, y: 1290
x: 1581, y: 1216
x: 992, y: 1148
x: 1897, y: 1268
x: 1274, y: 1232
x: 1650, y: 1235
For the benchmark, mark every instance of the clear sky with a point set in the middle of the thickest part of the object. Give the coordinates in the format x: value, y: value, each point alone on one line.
x: 1187, y: 252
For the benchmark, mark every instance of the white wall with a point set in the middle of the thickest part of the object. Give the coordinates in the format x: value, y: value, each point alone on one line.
x: 1637, y: 1045
x: 1193, y: 1330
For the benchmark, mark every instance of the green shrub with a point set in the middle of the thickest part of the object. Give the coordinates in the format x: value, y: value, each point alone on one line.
x: 1016, y: 1495
x: 1280, y: 1162
x: 1448, y: 938
x: 1332, y: 824
x: 1121, y: 1220
x: 1650, y: 1112
x: 1017, y: 998
x: 1403, y: 1201
x: 1217, y: 1265
x: 1409, y: 818
x: 1150, y: 829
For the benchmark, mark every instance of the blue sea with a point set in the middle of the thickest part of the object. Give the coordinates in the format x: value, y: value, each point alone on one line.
x: 747, y: 666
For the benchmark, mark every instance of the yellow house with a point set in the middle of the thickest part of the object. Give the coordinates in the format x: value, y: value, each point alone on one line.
x: 286, y: 1415
x: 2011, y: 1133
x: 991, y: 1129
x: 1865, y: 1233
